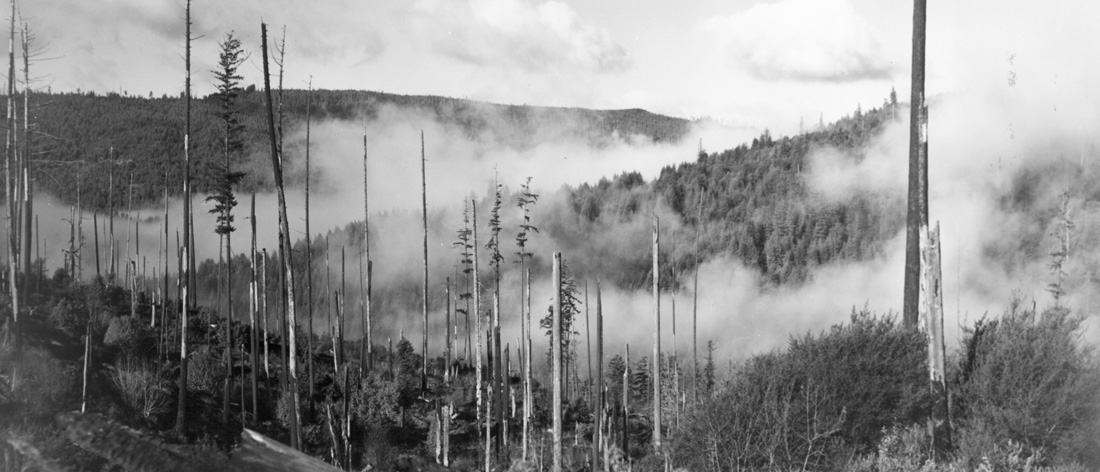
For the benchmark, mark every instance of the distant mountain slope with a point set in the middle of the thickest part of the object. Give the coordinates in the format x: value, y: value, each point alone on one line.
x: 751, y: 203
x: 77, y: 132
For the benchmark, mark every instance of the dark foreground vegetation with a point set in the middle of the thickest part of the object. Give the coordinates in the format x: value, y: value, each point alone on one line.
x: 853, y: 397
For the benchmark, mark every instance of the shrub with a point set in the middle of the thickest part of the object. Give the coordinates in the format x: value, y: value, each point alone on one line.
x: 828, y: 394
x: 40, y: 380
x: 142, y: 389
x: 130, y: 335
x: 206, y: 370
x: 1027, y: 383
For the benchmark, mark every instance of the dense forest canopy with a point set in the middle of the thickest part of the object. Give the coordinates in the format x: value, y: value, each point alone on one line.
x: 84, y: 132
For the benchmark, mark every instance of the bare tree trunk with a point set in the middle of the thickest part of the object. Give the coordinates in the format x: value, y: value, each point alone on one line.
x: 309, y: 254
x: 340, y: 312
x: 252, y: 309
x: 599, y: 410
x: 12, y: 193
x: 284, y: 228
x: 626, y: 406
x: 674, y: 364
x: 528, y: 395
x: 111, y: 270
x: 95, y: 241
x: 424, y: 294
x: 28, y: 192
x: 87, y: 360
x: 366, y: 256
x: 477, y: 317
x: 263, y: 309
x: 555, y: 371
x: 181, y: 412
x: 931, y: 314
x: 695, y: 323
x: 446, y: 424
x: 917, y: 213
x: 656, y: 336
x: 165, y: 296
x: 588, y: 339
x: 498, y: 376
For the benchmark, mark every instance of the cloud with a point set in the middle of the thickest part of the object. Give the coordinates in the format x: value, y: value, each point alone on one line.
x: 535, y: 37
x: 802, y: 40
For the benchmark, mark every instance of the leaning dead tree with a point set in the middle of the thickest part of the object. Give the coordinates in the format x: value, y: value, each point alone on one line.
x: 287, y: 254
x: 916, y: 222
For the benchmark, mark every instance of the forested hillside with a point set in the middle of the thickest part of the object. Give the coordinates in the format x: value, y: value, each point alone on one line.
x: 81, y: 133
x: 753, y: 203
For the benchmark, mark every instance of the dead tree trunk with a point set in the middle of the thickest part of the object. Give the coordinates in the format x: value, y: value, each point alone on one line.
x: 526, y: 303
x: 263, y: 310
x: 599, y: 410
x: 288, y: 267
x: 446, y: 424
x: 95, y: 241
x: 555, y: 371
x: 588, y: 340
x: 366, y: 256
x: 917, y: 212
x: 181, y: 412
x: 253, y: 304
x: 340, y: 312
x: 931, y: 314
x: 477, y: 317
x: 10, y: 161
x: 656, y: 363
x: 424, y: 294
x: 309, y: 255
x: 695, y: 319
x: 626, y: 406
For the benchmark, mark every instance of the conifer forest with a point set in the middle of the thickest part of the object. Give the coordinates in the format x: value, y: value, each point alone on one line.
x: 262, y: 268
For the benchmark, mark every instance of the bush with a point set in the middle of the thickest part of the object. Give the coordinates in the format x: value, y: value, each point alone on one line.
x: 40, y: 381
x: 206, y: 370
x: 143, y: 390
x: 1026, y: 383
x: 827, y: 396
x: 130, y: 335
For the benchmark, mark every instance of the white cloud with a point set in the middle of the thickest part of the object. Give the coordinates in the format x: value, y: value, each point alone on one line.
x: 806, y: 40
x: 535, y: 37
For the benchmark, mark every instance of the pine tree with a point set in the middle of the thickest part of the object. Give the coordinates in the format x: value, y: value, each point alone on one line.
x: 524, y: 201
x: 228, y: 86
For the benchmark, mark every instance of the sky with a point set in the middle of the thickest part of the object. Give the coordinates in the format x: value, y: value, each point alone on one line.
x: 749, y: 63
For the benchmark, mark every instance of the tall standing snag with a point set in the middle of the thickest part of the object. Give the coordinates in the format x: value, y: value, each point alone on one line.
x: 424, y: 294
x: 287, y: 254
x: 931, y: 314
x: 656, y: 363
x: 555, y: 360
x: 368, y: 335
x: 181, y: 411
x: 309, y: 256
x: 917, y: 213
